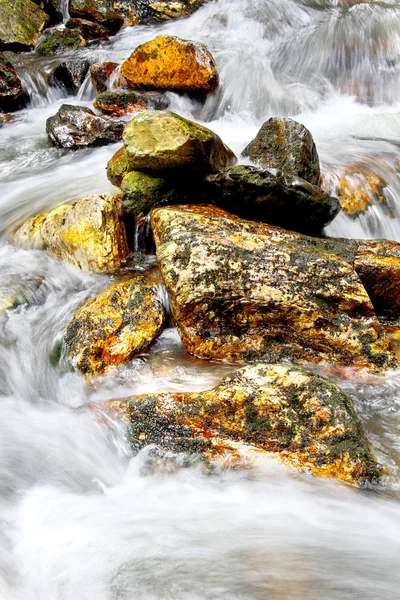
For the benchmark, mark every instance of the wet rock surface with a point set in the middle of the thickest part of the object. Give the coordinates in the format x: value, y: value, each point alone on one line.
x: 100, y: 74
x: 114, y: 326
x: 118, y: 167
x: 359, y: 188
x: 89, y: 234
x: 59, y: 40
x: 101, y: 11
x: 171, y: 63
x: 158, y: 141
x: 11, y: 93
x: 21, y: 22
x: 71, y: 73
x: 273, y: 197
x: 242, y: 290
x: 303, y: 418
x: 148, y: 12
x: 141, y: 191
x: 88, y: 29
x: 78, y: 127
x: 124, y: 102
x: 288, y: 146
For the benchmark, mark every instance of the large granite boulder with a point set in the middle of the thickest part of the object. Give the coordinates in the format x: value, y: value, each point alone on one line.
x: 89, y: 234
x: 101, y: 11
x: 273, y: 197
x: 21, y: 22
x: 59, y: 40
x: 78, y: 127
x: 157, y: 141
x: 288, y: 146
x: 11, y: 93
x: 299, y: 417
x: 170, y: 63
x: 123, y: 102
x: 114, y: 326
x: 242, y: 290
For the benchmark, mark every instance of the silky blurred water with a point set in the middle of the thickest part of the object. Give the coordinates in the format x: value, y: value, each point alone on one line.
x: 81, y: 518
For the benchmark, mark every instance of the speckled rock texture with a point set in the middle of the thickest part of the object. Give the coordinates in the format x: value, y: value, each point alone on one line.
x: 170, y: 63
x: 21, y: 22
x: 89, y: 234
x: 273, y: 197
x: 148, y: 12
x: 304, y: 419
x: 101, y: 11
x: 124, y: 102
x: 71, y: 73
x: 88, y: 29
x: 141, y: 191
x: 359, y: 188
x: 56, y: 41
x: 158, y: 141
x: 11, y: 94
x: 118, y: 167
x: 114, y: 326
x: 243, y: 290
x: 288, y: 146
x: 77, y: 127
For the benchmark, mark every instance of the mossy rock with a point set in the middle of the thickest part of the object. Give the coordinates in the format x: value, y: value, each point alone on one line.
x: 118, y: 166
x: 141, y: 191
x: 301, y: 418
x: 60, y: 40
x: 100, y: 11
x: 21, y: 22
x: 88, y: 29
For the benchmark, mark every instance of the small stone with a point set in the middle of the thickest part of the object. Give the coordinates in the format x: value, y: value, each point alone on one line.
x: 118, y: 167
x: 170, y: 63
x: 125, y: 102
x: 101, y: 73
x: 359, y: 188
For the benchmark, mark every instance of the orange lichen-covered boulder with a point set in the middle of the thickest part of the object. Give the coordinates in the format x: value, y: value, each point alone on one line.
x: 89, y: 234
x: 303, y: 418
x: 243, y: 290
x: 114, y: 326
x: 170, y: 63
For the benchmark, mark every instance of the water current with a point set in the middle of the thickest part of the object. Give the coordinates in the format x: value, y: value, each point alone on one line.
x: 81, y: 517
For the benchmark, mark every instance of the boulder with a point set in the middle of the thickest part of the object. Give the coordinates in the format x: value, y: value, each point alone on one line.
x: 118, y: 167
x: 89, y: 233
x: 156, y: 141
x: 299, y: 417
x: 11, y: 93
x: 71, y: 73
x: 78, y: 127
x: 125, y: 102
x: 21, y: 22
x: 141, y: 191
x: 101, y: 11
x: 242, y: 290
x: 59, y: 40
x: 170, y: 63
x: 273, y: 197
x: 101, y: 73
x: 88, y: 29
x: 115, y: 326
x: 288, y: 146
x: 148, y: 12
x: 359, y: 187
x: 54, y: 8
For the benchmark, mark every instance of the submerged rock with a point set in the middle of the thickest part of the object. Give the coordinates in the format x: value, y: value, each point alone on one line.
x: 304, y: 419
x: 77, y: 127
x: 273, y: 197
x: 158, y: 141
x: 88, y: 29
x: 170, y: 63
x: 288, y: 146
x: 21, y: 22
x: 118, y: 167
x: 60, y: 40
x: 101, y: 11
x: 242, y: 290
x: 89, y: 234
x: 11, y: 93
x: 125, y: 101
x: 71, y: 73
x: 114, y: 326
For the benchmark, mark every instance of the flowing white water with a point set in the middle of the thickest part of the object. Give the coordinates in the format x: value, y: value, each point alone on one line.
x: 81, y: 518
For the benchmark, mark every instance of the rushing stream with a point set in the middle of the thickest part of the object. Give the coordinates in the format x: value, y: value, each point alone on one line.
x: 81, y: 518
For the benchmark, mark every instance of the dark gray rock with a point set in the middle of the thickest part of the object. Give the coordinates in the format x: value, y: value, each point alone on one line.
x: 101, y: 11
x: 71, y: 73
x: 123, y: 102
x: 272, y: 197
x: 11, y: 93
x: 287, y: 145
x: 78, y: 127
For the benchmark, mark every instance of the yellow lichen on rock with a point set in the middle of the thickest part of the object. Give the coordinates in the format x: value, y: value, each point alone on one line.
x: 303, y: 418
x: 170, y: 63
x: 89, y: 233
x: 359, y: 187
x: 114, y: 326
